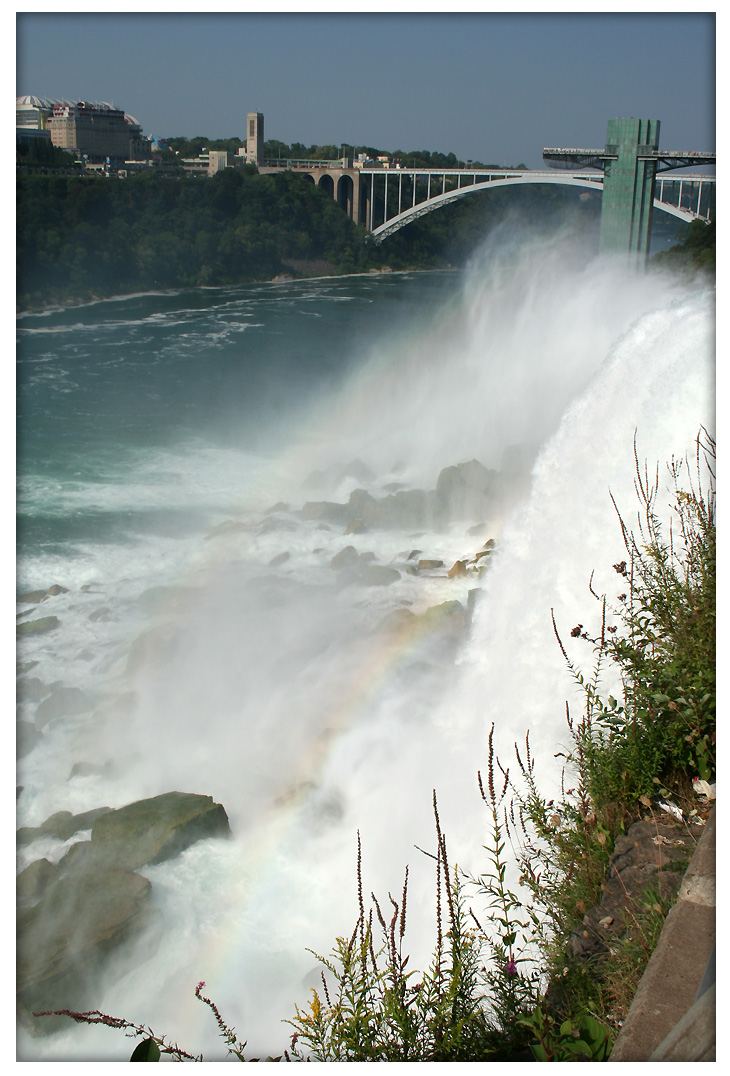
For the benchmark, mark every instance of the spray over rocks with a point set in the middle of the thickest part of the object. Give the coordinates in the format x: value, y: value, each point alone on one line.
x: 334, y: 637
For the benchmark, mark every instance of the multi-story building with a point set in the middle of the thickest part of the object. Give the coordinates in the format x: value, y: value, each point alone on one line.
x: 92, y: 131
x: 31, y: 115
x: 97, y: 131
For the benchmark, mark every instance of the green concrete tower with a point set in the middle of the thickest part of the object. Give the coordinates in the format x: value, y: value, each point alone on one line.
x: 630, y: 165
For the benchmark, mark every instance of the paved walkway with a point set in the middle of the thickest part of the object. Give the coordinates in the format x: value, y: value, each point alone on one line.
x: 672, y: 1017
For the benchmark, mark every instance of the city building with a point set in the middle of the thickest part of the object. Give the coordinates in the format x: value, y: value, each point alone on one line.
x: 31, y: 114
x: 91, y: 131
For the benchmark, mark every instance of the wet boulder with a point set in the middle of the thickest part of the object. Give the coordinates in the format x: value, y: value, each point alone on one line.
x: 362, y: 506
x: 378, y: 575
x: 458, y: 569
x: 63, y: 939
x: 156, y: 829
x: 465, y: 490
x: 38, y: 627
x: 408, y: 508
x: 62, y: 702
x: 449, y: 617
x: 346, y: 558
x: 325, y: 511
x: 36, y: 596
x: 62, y: 825
x: 31, y: 689
x: 26, y: 738
x: 32, y: 883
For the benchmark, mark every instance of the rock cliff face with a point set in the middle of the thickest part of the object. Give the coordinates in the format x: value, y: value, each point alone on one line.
x: 651, y: 856
x: 74, y: 916
x: 463, y: 491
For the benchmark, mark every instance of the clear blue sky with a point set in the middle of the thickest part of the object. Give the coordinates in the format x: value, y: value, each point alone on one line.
x: 491, y: 87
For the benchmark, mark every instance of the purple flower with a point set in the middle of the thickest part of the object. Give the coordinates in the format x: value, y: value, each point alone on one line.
x: 200, y: 986
x: 511, y: 968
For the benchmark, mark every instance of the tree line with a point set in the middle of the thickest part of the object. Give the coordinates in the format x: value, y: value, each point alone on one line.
x: 95, y: 236
x: 274, y: 149
x: 82, y: 236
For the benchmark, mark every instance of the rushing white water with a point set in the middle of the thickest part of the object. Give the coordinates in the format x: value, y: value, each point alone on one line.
x: 280, y: 700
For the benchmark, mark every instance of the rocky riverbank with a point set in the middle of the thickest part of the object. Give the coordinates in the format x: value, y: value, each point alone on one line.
x: 94, y: 904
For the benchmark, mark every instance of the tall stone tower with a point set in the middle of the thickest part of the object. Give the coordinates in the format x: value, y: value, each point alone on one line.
x: 628, y: 186
x: 255, y: 138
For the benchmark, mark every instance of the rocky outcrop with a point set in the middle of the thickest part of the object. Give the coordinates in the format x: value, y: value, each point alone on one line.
x: 62, y: 702
x: 153, y: 830
x: 62, y: 825
x: 32, y: 883
x: 37, y: 627
x: 73, y: 916
x: 36, y: 596
x: 651, y: 857
x: 63, y: 939
x: 325, y: 511
x: 26, y: 738
x: 378, y: 575
x: 466, y: 490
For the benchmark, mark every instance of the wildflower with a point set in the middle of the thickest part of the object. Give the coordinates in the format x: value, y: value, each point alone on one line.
x: 511, y: 968
x: 200, y: 985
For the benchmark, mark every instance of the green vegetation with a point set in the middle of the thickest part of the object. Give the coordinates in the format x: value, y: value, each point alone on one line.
x: 414, y: 158
x: 42, y: 154
x: 696, y: 252
x: 507, y: 981
x: 79, y: 237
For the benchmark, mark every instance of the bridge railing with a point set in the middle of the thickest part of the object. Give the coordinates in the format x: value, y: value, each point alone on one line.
x: 695, y: 193
x: 291, y: 163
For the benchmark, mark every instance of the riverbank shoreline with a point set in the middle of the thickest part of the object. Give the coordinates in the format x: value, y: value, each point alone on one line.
x: 57, y: 306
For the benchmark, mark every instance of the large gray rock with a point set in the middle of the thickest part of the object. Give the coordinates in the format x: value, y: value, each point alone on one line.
x: 326, y: 511
x: 93, y: 904
x: 62, y: 702
x: 33, y: 882
x: 465, y: 491
x: 31, y: 689
x: 26, y: 738
x: 364, y: 507
x: 346, y: 558
x: 153, y: 830
x: 63, y: 940
x: 62, y: 825
x: 37, y: 627
x: 36, y: 596
x: 379, y: 575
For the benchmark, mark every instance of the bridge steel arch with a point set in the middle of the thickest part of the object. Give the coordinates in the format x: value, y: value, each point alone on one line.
x: 592, y: 182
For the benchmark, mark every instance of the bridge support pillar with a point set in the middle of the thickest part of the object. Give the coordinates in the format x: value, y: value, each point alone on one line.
x: 628, y: 187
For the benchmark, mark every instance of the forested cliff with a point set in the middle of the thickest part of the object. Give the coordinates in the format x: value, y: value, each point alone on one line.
x: 81, y: 237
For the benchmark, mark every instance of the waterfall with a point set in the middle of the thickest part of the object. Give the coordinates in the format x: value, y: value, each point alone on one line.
x: 283, y: 698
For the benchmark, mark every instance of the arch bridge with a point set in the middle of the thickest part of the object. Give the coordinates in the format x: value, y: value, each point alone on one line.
x: 628, y: 173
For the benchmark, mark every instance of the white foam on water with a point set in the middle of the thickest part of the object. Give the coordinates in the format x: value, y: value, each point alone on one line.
x: 272, y: 692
